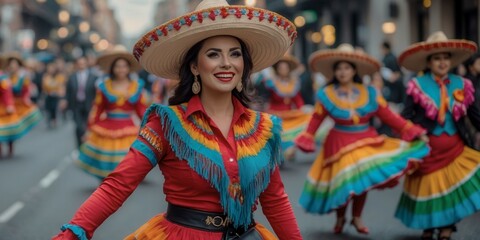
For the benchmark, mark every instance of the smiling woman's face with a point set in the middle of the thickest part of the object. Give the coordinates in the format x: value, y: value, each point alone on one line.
x: 219, y: 64
x: 440, y: 64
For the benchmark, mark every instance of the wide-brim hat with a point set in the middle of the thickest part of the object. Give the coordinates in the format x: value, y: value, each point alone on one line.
x: 414, y: 58
x: 106, y: 60
x: 291, y: 60
x: 13, y: 55
x: 323, y: 60
x: 266, y: 34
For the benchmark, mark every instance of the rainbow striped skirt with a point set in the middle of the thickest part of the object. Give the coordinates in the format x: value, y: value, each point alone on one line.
x: 442, y: 197
x: 330, y: 186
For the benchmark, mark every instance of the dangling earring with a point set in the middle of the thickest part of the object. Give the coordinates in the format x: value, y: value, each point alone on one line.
x: 196, y: 85
x: 239, y: 86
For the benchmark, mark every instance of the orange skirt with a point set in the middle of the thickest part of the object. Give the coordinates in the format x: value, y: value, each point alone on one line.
x: 159, y: 228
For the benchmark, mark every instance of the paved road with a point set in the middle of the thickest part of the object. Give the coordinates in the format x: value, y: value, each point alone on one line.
x: 41, y: 189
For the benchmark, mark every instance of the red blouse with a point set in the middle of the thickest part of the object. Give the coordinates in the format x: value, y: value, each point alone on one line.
x: 182, y: 186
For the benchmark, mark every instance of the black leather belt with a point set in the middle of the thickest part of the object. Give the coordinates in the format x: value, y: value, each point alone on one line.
x: 201, y: 220
x: 192, y: 218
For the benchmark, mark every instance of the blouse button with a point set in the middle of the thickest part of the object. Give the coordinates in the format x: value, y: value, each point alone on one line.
x: 231, y: 159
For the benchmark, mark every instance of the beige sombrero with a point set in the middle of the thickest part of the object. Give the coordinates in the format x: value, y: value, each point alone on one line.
x: 268, y: 36
x: 292, y: 61
x: 106, y: 59
x: 323, y: 60
x: 414, y: 58
x: 13, y: 55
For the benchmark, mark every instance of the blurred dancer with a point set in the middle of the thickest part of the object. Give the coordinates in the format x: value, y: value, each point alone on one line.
x: 28, y: 113
x: 118, y: 97
x: 446, y: 187
x: 354, y: 158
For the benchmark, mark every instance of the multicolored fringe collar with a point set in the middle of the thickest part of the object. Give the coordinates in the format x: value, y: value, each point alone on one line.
x: 287, y: 90
x: 17, y: 82
x: 367, y: 102
x: 426, y: 92
x: 257, y: 136
x: 134, y: 91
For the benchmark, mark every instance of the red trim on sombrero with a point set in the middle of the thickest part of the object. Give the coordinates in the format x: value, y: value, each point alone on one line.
x: 456, y: 44
x: 342, y: 54
x: 212, y: 13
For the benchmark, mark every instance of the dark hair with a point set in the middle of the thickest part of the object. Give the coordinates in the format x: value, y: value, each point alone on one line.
x: 386, y: 45
x: 356, y: 78
x: 471, y: 60
x: 429, y: 57
x: 183, y: 91
x: 112, y: 74
x: 10, y: 59
x: 275, y: 66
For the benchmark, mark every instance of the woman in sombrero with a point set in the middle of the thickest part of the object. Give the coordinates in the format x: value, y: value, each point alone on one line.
x: 219, y: 158
x: 111, y: 129
x: 354, y: 158
x: 285, y: 100
x: 27, y: 112
x: 445, y: 189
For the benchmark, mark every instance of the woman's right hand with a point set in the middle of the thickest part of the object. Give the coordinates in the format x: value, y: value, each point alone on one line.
x: 305, y: 142
x: 424, y: 138
x: 10, y: 109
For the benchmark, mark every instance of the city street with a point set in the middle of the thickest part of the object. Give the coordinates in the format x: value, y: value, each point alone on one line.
x: 41, y: 189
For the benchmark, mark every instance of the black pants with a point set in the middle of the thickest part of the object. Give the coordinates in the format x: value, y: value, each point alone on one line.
x: 80, y: 117
x: 51, y: 105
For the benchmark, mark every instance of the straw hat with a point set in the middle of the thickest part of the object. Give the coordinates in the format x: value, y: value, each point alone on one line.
x: 323, y: 60
x: 414, y: 58
x: 267, y: 35
x: 106, y: 60
x: 13, y: 55
x: 292, y: 61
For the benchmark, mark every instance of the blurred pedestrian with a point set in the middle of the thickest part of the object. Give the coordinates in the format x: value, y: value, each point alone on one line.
x: 197, y: 139
x: 118, y: 98
x: 354, y: 158
x: 28, y: 113
x: 285, y: 100
x: 80, y: 93
x: 445, y: 188
x: 393, y: 89
x: 53, y: 85
x: 473, y: 73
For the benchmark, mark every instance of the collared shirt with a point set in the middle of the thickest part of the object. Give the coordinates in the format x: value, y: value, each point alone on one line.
x: 82, y: 78
x: 183, y: 186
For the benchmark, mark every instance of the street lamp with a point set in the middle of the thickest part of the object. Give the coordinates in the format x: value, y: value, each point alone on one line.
x: 102, y: 45
x: 42, y: 44
x: 299, y: 21
x: 316, y: 37
x: 250, y: 3
x: 84, y: 27
x: 94, y: 38
x: 64, y: 16
x: 389, y: 27
x: 290, y: 3
x: 62, y: 32
x: 328, y: 32
x: 427, y: 3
